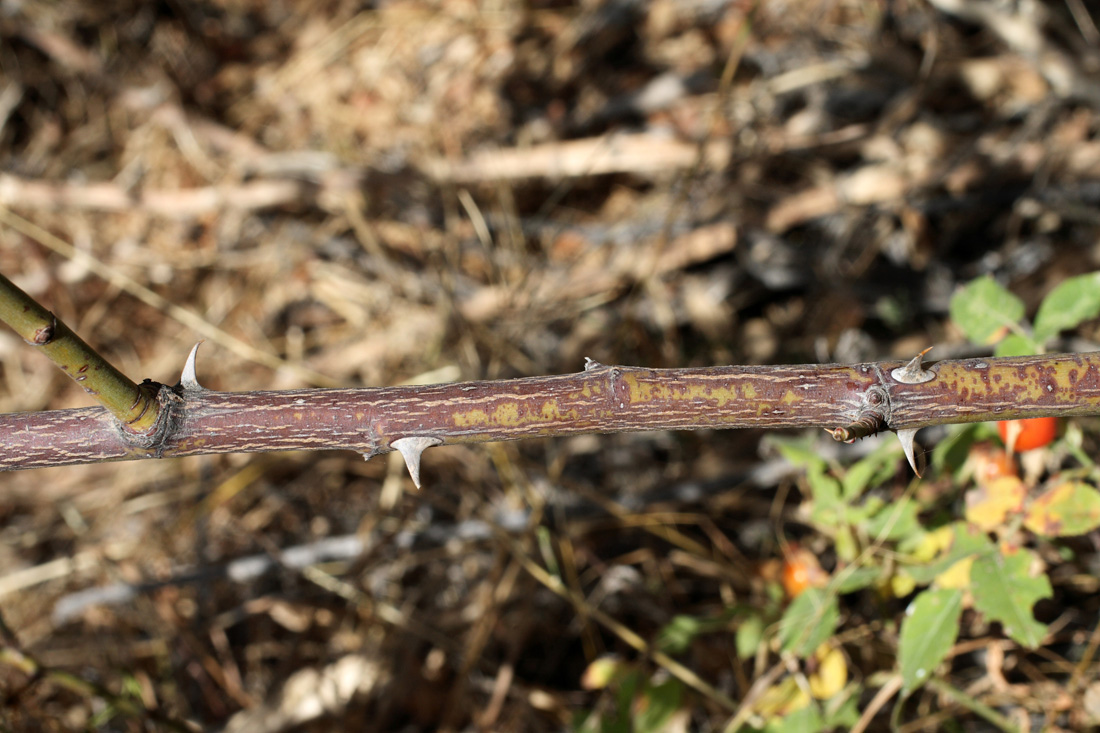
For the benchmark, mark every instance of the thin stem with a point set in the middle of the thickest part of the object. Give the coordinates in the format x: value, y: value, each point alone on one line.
x: 975, y: 706
x: 134, y: 406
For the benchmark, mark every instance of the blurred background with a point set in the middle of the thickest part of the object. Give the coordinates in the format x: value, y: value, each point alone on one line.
x: 355, y: 193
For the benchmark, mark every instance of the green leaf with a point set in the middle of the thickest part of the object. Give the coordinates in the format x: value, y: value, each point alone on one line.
x: 1016, y: 345
x: 801, y: 451
x: 629, y: 684
x: 983, y: 307
x: 857, y: 478
x: 841, y: 711
x: 661, y: 702
x: 827, y: 507
x: 809, y: 621
x: 749, y: 635
x: 870, y: 471
x: 1005, y: 591
x: 847, y: 549
x: 825, y: 488
x: 1071, y: 508
x: 952, y: 451
x: 966, y: 542
x: 1067, y: 306
x: 803, y: 720
x: 678, y: 633
x: 927, y: 634
x: 895, y: 521
x: 852, y: 579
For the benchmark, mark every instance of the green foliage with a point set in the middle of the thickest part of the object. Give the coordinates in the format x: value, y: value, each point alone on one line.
x: 985, y: 310
x: 989, y: 314
x: 809, y: 621
x: 1005, y: 590
x: 899, y: 541
x: 1070, y: 508
x: 930, y: 629
x: 1067, y: 306
x: 638, y: 705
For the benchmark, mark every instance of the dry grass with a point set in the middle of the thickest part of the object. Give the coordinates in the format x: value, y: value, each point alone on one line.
x: 451, y: 189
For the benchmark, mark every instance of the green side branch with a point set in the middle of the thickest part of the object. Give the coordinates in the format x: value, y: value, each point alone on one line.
x: 134, y: 406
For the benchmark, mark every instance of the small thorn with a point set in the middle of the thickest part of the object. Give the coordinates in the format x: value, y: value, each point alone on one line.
x: 906, y: 436
x: 410, y: 449
x: 913, y: 372
x: 189, y: 381
x: 590, y: 364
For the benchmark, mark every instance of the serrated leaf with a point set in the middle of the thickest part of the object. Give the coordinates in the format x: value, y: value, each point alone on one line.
x: 1067, y: 306
x: 927, y: 634
x: 810, y: 620
x: 1004, y: 590
x: 984, y: 308
x: 989, y: 505
x: 1070, y: 508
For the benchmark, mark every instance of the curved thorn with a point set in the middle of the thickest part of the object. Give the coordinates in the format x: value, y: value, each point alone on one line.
x: 410, y: 449
x: 189, y: 381
x: 906, y: 437
x: 913, y: 372
x: 590, y: 364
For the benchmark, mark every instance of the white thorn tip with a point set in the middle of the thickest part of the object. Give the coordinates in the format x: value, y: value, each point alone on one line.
x: 189, y: 379
x: 410, y: 449
x: 907, y: 437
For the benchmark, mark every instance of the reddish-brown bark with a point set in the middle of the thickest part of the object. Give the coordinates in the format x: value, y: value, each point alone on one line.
x: 601, y: 399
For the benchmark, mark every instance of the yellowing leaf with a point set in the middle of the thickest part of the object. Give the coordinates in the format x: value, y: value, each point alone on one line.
x: 1071, y: 508
x: 602, y: 672
x: 902, y: 585
x: 781, y: 699
x: 831, y: 674
x: 989, y: 506
x: 956, y: 576
x: 933, y: 543
x: 966, y: 541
